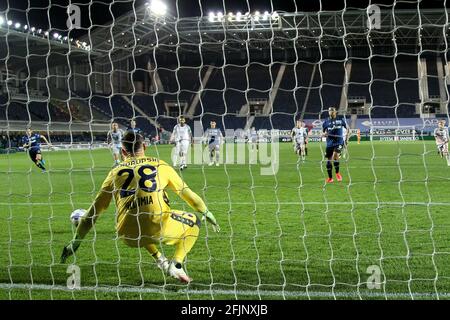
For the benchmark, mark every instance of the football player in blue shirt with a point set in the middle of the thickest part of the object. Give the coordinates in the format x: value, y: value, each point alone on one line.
x: 32, y: 143
x: 133, y: 128
x: 333, y: 131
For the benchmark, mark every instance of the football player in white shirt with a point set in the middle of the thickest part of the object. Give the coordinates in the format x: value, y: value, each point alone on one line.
x: 182, y: 137
x: 253, y: 139
x: 114, y: 140
x: 300, y: 138
x: 441, y: 136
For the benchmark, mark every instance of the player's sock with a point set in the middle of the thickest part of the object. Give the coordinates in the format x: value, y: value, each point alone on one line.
x: 186, y: 243
x: 217, y: 157
x: 211, y: 157
x: 306, y: 151
x: 329, y: 169
x: 336, y: 166
x: 153, y: 250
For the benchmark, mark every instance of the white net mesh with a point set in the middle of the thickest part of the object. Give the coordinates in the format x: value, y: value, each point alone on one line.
x: 381, y: 233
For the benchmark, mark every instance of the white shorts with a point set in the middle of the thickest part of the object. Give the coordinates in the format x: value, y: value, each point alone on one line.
x: 182, y: 147
x: 214, y: 146
x: 443, y: 147
x: 299, y: 144
x: 116, y: 148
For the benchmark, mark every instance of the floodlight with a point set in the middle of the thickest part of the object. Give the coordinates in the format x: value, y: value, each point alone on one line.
x: 158, y: 7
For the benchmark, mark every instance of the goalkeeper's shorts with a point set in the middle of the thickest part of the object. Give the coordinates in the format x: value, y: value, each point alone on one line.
x: 176, y: 226
x: 173, y: 226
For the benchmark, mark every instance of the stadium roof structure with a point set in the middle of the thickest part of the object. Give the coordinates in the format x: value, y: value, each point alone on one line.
x: 139, y: 32
x: 54, y: 126
x: 29, y: 51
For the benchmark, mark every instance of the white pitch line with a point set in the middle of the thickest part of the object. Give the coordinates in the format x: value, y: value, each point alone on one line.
x: 344, y: 203
x: 257, y: 293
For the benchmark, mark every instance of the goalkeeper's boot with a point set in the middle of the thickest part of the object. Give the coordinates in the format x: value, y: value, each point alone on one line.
x: 176, y: 271
x: 338, y: 177
x: 163, y: 263
x: 329, y: 180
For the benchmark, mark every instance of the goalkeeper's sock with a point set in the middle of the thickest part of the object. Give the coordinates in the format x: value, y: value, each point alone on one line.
x: 336, y: 166
x: 329, y: 169
x: 153, y: 250
x: 185, y: 244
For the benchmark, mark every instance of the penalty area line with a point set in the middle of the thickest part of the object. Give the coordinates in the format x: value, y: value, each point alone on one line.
x: 256, y: 293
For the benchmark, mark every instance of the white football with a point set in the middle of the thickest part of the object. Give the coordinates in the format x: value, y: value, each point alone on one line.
x: 76, y: 216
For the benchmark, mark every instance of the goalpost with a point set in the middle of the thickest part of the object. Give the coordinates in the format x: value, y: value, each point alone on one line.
x: 382, y: 233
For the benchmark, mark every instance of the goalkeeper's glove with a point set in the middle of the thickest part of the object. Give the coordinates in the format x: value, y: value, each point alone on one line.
x: 208, y: 216
x: 70, y: 249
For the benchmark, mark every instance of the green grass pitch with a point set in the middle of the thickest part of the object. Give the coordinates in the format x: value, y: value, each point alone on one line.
x: 283, y: 236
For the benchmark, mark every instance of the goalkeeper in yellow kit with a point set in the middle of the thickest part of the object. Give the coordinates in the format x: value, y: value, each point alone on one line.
x: 144, y: 217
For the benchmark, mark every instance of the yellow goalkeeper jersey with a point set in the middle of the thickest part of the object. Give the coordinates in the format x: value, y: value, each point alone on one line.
x: 139, y: 186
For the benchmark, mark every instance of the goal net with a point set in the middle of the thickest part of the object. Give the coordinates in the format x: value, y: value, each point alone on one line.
x: 68, y: 72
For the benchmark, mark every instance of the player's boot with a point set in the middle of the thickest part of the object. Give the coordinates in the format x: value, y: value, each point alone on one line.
x: 329, y: 180
x: 176, y: 271
x: 338, y: 177
x: 217, y: 164
x: 210, y: 164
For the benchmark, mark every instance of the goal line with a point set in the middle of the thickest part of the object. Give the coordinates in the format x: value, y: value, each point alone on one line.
x: 252, y: 293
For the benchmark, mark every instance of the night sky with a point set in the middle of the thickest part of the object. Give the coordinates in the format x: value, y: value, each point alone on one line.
x: 51, y: 14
